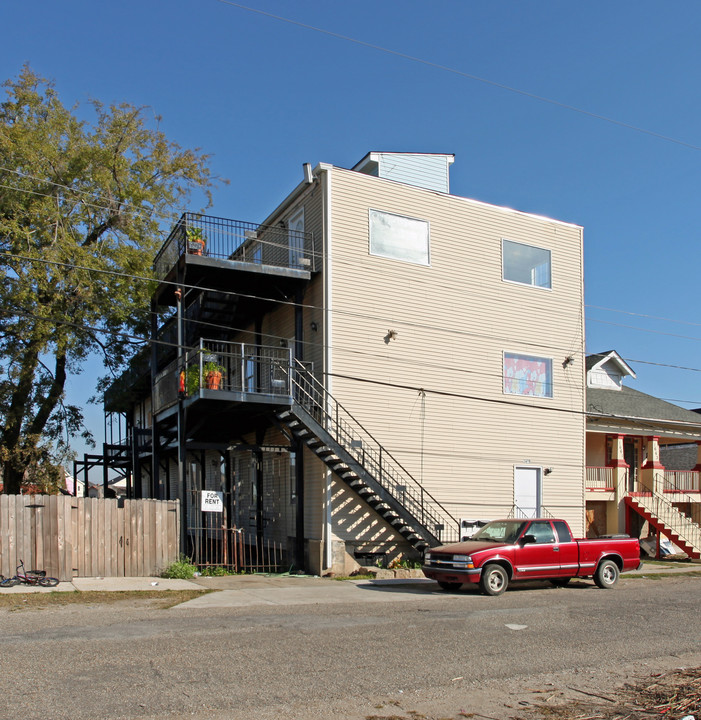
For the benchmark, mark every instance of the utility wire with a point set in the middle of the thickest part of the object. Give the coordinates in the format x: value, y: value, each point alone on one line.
x: 655, y: 332
x: 470, y: 76
x: 399, y: 386
x: 147, y: 214
x: 643, y: 315
x: 316, y: 307
x: 290, y: 303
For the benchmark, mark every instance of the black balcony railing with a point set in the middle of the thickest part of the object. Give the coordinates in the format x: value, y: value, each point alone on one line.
x: 235, y: 367
x: 215, y: 237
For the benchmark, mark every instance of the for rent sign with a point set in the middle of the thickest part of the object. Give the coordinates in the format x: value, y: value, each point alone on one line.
x: 212, y: 501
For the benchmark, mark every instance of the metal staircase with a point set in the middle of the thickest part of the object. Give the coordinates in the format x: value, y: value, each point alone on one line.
x: 367, y: 468
x: 669, y: 521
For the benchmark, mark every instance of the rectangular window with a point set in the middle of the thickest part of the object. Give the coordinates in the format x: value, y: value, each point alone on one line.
x: 528, y: 375
x: 399, y: 237
x: 525, y: 264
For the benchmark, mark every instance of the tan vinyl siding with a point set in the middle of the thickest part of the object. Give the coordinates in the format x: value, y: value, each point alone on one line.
x: 454, y: 320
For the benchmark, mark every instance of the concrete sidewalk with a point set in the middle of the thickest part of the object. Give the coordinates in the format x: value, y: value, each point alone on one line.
x: 107, y: 584
x: 244, y: 590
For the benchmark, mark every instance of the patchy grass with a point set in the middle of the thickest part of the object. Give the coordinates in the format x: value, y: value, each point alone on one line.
x: 661, y: 575
x: 161, y: 599
x: 672, y: 563
x: 369, y: 576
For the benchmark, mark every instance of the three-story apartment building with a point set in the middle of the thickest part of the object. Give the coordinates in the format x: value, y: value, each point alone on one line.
x: 375, y: 365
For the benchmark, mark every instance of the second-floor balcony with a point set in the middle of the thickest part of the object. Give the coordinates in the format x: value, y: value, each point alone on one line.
x: 234, y: 372
x: 201, y: 237
x: 603, y: 479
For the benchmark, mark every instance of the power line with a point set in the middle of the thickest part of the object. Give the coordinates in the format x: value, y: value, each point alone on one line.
x: 126, y: 205
x: 137, y: 338
x: 198, y: 288
x: 643, y: 315
x: 290, y: 303
x: 470, y: 76
x: 633, y: 327
x: 173, y: 217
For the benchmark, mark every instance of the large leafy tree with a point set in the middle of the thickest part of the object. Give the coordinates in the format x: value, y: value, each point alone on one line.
x: 82, y: 204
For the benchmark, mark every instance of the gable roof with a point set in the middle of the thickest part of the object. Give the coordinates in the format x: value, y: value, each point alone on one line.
x: 636, y: 405
x: 603, y: 357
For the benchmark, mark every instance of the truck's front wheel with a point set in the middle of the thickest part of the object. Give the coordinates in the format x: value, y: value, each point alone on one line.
x: 606, y: 575
x: 494, y: 580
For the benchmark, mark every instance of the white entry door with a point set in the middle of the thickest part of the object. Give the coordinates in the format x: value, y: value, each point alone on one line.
x: 527, y: 491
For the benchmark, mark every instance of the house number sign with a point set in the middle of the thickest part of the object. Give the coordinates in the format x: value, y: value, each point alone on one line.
x: 212, y: 501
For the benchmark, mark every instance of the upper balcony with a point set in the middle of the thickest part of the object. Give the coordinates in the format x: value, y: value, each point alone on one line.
x: 212, y: 247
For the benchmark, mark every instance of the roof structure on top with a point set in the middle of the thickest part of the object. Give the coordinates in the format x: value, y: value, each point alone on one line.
x: 623, y: 402
x: 609, y: 356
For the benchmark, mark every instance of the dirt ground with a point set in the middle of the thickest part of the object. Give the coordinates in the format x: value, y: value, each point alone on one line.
x: 666, y: 687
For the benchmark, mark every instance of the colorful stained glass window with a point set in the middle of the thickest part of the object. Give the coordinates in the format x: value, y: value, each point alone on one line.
x: 528, y: 375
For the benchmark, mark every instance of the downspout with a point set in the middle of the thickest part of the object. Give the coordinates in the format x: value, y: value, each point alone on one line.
x: 327, y: 335
x: 298, y: 444
x: 583, y: 379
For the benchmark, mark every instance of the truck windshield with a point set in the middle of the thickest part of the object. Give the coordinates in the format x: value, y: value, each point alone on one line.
x: 506, y: 531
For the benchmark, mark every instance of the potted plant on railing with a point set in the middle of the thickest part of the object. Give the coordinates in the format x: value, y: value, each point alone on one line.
x: 213, y: 374
x: 189, y: 381
x: 195, y: 241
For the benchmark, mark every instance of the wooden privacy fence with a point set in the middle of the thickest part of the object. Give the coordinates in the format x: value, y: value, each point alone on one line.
x: 88, y: 537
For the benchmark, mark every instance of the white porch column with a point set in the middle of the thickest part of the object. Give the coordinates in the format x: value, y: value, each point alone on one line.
x: 619, y: 470
x: 652, y: 471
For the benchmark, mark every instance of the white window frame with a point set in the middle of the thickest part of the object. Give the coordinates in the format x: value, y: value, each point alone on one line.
x: 519, y: 282
x: 545, y: 358
x: 295, y: 250
x: 391, y: 256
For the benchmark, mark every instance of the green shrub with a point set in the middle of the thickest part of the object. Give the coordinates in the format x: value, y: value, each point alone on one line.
x: 215, y: 571
x: 181, y: 569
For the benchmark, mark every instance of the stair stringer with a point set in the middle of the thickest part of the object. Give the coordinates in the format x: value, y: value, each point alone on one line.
x: 356, y: 477
x: 682, y: 531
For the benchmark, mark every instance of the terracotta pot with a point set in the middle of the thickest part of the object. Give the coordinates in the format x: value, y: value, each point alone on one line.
x: 212, y: 380
x: 195, y: 247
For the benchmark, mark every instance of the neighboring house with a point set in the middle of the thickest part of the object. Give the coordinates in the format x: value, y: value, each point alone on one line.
x: 375, y: 362
x: 627, y: 480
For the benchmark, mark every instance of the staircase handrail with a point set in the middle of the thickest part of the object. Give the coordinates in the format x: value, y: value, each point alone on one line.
x: 673, y: 515
x: 421, y: 503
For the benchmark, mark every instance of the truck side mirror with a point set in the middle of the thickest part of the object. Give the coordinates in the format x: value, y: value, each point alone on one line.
x: 527, y: 539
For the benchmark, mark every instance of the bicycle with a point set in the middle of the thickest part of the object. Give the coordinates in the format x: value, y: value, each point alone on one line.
x: 28, y: 577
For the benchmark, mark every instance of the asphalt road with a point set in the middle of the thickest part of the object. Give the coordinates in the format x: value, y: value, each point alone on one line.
x: 384, y: 652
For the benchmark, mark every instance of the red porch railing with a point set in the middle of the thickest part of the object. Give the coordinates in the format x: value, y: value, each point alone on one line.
x: 600, y: 478
x: 681, y: 481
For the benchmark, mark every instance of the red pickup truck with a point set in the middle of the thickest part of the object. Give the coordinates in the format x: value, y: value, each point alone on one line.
x: 537, y: 549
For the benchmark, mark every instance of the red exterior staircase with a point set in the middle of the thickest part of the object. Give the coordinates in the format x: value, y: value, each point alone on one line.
x: 668, y: 520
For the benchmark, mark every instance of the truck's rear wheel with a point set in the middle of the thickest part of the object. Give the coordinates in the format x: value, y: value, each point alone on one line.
x: 606, y: 575
x: 494, y: 580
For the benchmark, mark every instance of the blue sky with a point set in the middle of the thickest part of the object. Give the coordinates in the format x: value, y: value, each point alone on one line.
x: 264, y: 96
